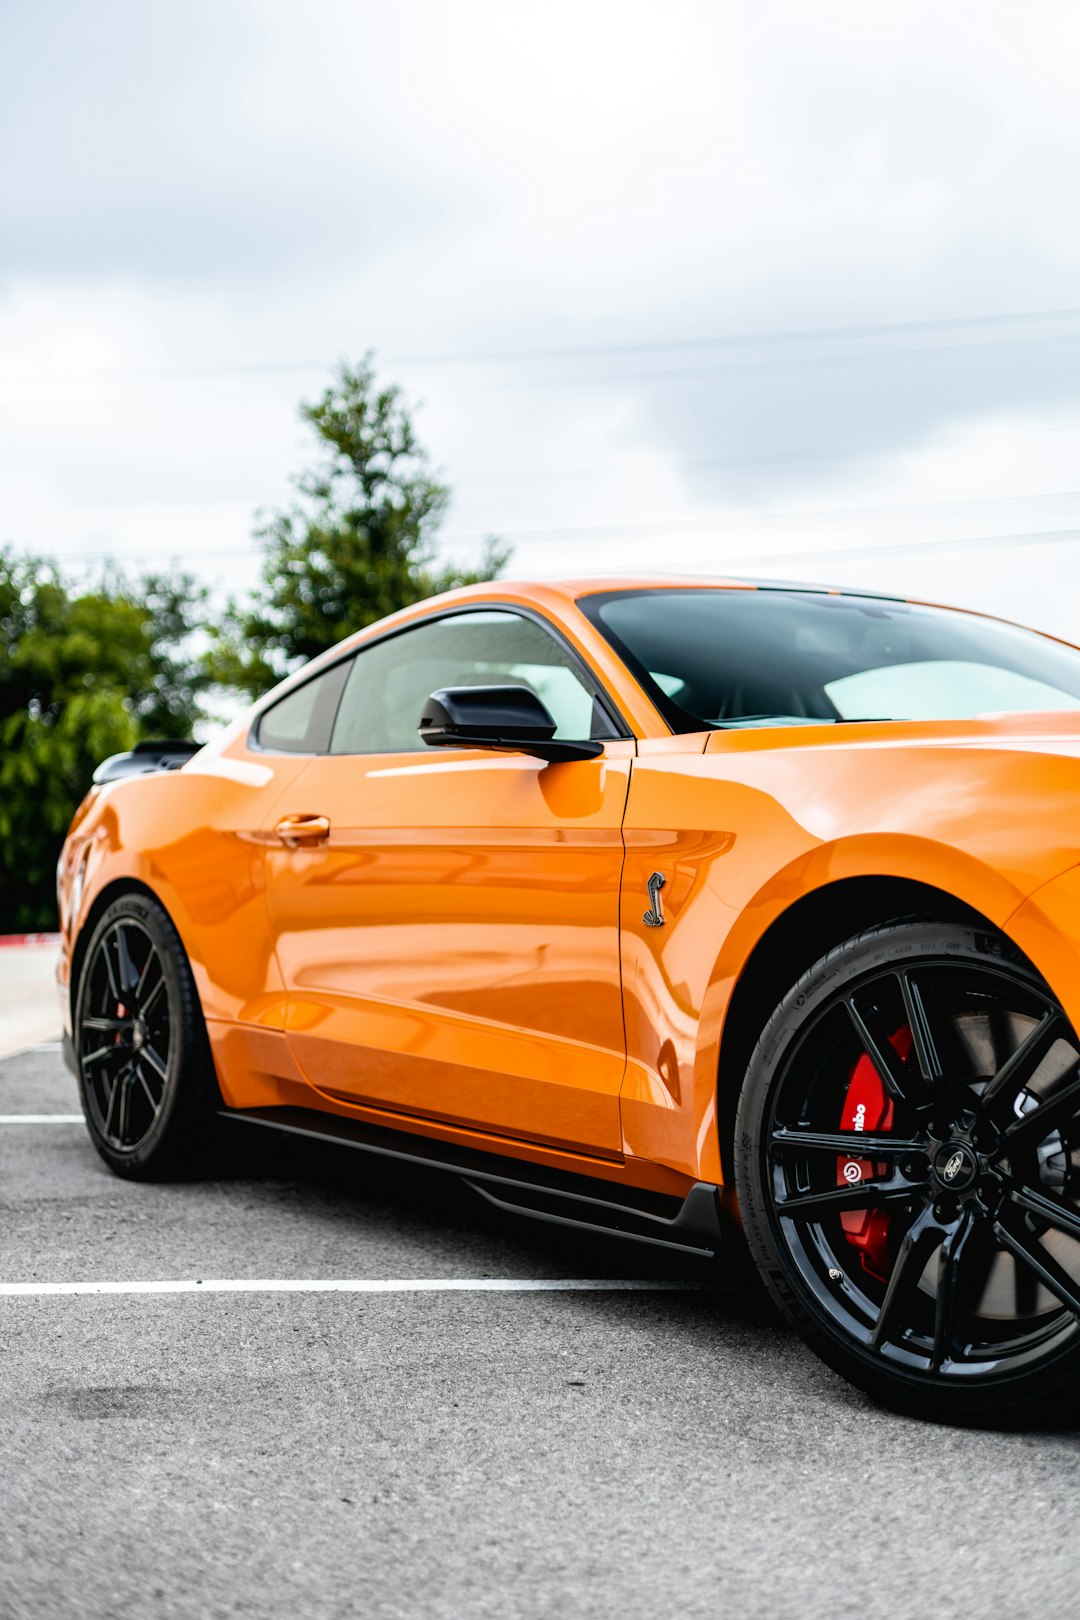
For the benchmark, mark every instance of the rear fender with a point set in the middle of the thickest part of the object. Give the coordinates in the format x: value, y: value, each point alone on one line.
x: 195, y: 839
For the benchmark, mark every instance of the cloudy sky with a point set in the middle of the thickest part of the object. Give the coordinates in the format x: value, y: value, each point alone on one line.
x: 760, y: 286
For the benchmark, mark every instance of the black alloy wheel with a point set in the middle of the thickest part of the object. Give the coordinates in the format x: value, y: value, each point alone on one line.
x: 124, y: 1034
x: 145, y: 1075
x: 908, y: 1169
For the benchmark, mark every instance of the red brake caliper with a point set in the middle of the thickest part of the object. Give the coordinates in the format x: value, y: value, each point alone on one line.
x: 868, y: 1107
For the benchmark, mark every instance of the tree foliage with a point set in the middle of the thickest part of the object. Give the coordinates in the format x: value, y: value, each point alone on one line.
x: 88, y: 671
x: 83, y: 674
x: 357, y: 545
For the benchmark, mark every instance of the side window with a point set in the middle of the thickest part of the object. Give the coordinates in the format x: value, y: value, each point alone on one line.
x: 390, y: 682
x: 302, y: 722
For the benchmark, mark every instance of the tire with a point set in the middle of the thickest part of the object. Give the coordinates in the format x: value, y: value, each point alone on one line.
x: 146, y: 1078
x: 936, y: 1264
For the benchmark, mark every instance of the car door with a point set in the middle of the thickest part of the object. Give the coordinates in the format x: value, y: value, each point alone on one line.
x: 447, y: 925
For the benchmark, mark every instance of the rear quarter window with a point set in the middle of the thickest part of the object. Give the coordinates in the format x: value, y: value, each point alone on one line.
x: 303, y: 720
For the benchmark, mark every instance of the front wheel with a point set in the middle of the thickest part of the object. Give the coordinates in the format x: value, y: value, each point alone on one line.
x: 907, y: 1158
x: 146, y: 1078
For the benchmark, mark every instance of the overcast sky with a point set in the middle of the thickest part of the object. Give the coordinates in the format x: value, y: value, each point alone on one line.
x: 764, y: 287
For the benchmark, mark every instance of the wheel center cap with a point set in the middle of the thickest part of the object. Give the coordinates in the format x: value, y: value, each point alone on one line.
x: 955, y: 1166
x: 138, y: 1035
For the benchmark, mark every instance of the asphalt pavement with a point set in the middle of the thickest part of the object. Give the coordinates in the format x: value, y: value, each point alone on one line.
x: 451, y: 1454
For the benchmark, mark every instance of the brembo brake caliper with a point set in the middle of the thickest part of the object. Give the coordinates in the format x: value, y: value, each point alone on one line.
x: 868, y: 1107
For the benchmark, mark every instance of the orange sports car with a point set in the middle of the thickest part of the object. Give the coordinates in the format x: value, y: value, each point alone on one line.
x: 660, y: 907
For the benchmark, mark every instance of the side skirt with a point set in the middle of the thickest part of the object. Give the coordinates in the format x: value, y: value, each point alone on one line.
x: 691, y: 1224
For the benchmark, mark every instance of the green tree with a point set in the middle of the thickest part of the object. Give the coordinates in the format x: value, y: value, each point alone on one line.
x: 84, y: 673
x: 359, y: 543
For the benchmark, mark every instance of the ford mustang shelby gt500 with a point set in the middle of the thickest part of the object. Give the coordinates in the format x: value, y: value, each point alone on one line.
x: 659, y: 907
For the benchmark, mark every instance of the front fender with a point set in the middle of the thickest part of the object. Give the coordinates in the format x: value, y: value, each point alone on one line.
x: 742, y: 836
x: 1046, y: 927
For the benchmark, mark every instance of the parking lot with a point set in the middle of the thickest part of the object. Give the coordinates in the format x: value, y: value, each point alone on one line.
x: 497, y: 1449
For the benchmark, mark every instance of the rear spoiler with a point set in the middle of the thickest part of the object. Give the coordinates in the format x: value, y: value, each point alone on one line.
x: 145, y: 758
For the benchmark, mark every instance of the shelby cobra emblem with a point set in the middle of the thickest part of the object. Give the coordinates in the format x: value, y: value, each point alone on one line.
x: 654, y: 917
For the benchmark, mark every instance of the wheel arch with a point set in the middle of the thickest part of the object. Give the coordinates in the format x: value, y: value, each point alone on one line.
x: 100, y: 904
x: 794, y: 940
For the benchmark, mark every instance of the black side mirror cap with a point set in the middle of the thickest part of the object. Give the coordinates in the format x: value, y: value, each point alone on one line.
x: 501, y: 717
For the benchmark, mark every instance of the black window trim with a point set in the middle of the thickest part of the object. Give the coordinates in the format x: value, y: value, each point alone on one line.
x: 624, y: 733
x: 678, y: 721
x: 252, y: 739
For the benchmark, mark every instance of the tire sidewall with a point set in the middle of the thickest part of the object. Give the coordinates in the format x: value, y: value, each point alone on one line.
x: 1046, y: 1387
x: 182, y: 1090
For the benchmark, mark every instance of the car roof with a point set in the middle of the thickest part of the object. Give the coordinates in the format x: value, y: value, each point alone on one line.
x: 574, y: 586
x: 594, y: 584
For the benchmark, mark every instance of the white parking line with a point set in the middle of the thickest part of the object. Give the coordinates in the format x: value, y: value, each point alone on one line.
x: 355, y: 1285
x: 42, y: 1119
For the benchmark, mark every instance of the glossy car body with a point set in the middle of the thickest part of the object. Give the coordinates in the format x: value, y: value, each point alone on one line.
x: 465, y: 954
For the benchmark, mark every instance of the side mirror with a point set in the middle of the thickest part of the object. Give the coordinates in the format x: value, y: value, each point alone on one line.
x: 504, y: 717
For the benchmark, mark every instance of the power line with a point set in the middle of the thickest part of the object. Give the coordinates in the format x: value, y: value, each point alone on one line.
x: 1039, y: 537
x: 732, y: 525
x: 772, y: 363
x: 658, y: 526
x: 704, y: 527
x: 904, y: 548
x: 821, y: 452
x: 737, y: 340
x: 550, y: 475
x: 808, y: 334
x: 602, y: 379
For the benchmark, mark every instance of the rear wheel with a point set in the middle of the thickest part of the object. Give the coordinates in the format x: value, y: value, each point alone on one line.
x: 907, y: 1153
x: 145, y: 1075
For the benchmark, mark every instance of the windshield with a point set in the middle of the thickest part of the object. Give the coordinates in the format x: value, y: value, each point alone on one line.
x: 788, y: 657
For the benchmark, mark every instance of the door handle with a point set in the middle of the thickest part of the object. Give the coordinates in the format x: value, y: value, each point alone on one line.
x: 303, y: 832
